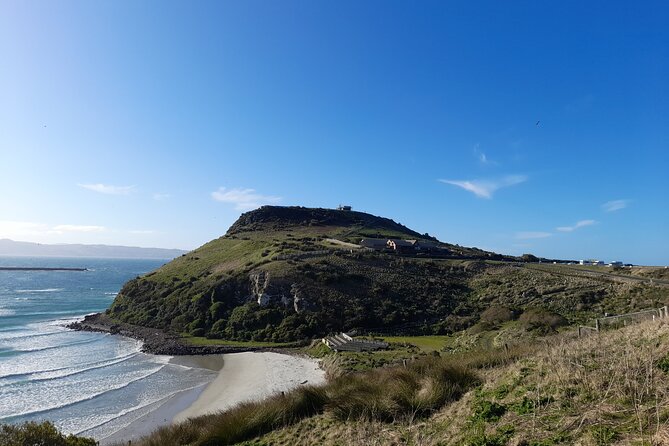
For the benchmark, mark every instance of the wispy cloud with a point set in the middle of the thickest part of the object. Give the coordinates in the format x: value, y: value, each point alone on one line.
x: 532, y: 234
x: 21, y: 229
x: 161, y: 197
x: 578, y: 224
x: 79, y: 228
x: 243, y: 199
x: 482, y: 157
x: 486, y: 188
x: 108, y: 189
x: 615, y: 205
x: 17, y: 229
x: 142, y: 231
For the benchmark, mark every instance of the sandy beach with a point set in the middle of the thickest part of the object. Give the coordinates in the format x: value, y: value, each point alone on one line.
x: 241, y: 377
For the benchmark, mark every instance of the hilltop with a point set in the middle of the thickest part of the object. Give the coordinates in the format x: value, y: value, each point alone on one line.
x: 283, y: 274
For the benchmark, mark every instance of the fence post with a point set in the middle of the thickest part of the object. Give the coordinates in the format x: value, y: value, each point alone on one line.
x: 579, y: 331
x: 597, y: 325
x: 665, y: 311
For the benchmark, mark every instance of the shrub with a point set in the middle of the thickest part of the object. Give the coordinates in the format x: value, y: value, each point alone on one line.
x: 39, y: 434
x: 488, y: 411
x: 497, y: 314
x: 542, y: 320
x: 397, y: 393
x: 252, y: 419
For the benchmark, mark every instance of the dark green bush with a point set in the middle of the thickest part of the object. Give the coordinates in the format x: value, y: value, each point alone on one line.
x: 488, y: 411
x: 39, y: 434
x: 541, y: 320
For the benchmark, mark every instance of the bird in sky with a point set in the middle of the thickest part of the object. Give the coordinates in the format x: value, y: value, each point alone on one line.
x: 537, y: 123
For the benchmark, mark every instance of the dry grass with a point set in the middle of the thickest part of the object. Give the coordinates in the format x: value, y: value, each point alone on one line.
x: 606, y: 389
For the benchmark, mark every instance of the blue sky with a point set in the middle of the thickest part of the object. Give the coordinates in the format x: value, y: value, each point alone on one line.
x: 517, y: 127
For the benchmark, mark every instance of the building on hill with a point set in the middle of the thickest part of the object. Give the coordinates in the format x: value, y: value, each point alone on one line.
x: 401, y: 246
x: 616, y: 264
x: 424, y: 245
x: 374, y: 243
x: 342, y: 207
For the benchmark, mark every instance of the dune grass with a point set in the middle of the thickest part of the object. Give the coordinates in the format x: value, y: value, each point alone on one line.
x: 387, y: 394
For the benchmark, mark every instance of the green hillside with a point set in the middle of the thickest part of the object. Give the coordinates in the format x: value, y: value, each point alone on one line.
x: 290, y: 273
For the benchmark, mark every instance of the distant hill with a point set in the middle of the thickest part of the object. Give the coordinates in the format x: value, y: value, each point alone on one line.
x: 292, y: 273
x: 29, y: 249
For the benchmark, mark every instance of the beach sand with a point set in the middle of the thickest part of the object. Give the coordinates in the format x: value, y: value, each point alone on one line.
x: 242, y: 377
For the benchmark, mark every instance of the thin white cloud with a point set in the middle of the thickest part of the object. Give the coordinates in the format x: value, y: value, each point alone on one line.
x: 79, y: 228
x: 532, y: 235
x: 486, y: 188
x: 142, y: 231
x: 108, y: 189
x: 243, y: 199
x: 482, y: 157
x: 578, y: 224
x: 22, y: 229
x: 161, y: 197
x: 17, y: 229
x: 615, y: 205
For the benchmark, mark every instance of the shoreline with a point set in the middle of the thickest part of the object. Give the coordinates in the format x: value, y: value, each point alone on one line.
x: 159, y: 342
x: 242, y: 377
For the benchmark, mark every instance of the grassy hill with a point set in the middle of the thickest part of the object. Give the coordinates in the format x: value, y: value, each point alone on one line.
x: 284, y: 274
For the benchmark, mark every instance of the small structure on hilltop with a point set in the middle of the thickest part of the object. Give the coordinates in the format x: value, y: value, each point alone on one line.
x: 343, y: 207
x: 401, y: 246
x: 344, y: 343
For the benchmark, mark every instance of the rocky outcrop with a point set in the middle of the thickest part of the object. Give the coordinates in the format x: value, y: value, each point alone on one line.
x: 301, y: 302
x: 259, y: 285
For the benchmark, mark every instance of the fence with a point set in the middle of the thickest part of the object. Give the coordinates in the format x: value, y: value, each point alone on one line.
x: 621, y: 320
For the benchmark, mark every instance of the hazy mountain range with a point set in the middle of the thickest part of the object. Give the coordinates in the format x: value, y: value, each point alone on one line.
x: 14, y: 248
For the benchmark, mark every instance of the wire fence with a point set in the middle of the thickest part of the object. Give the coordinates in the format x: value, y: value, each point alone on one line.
x: 622, y: 320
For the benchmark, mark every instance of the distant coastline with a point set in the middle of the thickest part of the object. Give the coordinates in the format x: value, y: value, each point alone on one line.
x: 11, y: 248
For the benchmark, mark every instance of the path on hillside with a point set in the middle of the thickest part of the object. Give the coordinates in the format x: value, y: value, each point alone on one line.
x: 561, y: 269
x: 346, y: 244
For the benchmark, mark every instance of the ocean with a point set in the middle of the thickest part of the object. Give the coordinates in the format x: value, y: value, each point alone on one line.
x: 91, y: 384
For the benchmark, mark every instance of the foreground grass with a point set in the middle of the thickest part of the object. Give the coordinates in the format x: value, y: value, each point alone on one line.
x: 606, y: 389
x: 384, y: 395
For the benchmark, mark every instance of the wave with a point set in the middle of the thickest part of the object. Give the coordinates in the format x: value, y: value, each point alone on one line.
x: 111, y: 294
x: 92, y: 366
x: 32, y: 335
x: 88, y: 398
x: 159, y: 402
x: 44, y: 290
x: 7, y: 312
x: 69, y: 344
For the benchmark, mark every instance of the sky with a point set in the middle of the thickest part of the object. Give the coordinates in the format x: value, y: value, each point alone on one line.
x: 518, y: 127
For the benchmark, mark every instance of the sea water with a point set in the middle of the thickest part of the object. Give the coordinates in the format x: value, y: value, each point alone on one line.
x: 92, y: 384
